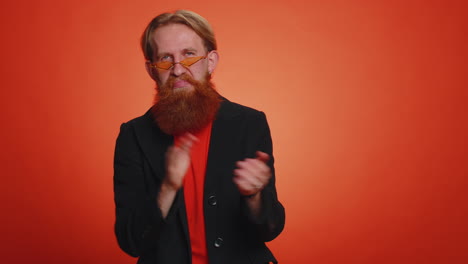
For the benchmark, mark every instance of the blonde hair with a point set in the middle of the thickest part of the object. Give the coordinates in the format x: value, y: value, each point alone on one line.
x: 191, y: 19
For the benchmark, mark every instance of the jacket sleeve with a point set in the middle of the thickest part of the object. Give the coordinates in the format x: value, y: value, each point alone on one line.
x: 139, y: 221
x: 270, y: 223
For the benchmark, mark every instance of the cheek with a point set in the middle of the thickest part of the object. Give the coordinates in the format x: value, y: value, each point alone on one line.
x: 200, y: 73
x: 163, y: 76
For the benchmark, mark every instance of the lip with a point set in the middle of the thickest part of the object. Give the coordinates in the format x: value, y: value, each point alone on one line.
x: 180, y: 84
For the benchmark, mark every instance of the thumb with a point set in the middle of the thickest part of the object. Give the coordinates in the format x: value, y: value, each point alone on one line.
x: 262, y: 156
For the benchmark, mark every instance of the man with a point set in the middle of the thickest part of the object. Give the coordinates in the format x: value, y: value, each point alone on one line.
x: 194, y: 179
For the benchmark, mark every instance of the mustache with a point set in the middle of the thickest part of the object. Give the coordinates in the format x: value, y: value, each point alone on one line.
x: 169, y: 84
x: 184, y: 77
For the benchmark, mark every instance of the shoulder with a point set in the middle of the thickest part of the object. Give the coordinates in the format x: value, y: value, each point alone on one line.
x: 143, y: 120
x: 232, y: 109
x: 143, y: 127
x: 144, y: 131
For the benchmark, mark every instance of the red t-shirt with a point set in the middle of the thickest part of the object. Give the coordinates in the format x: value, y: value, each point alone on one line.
x: 193, y: 192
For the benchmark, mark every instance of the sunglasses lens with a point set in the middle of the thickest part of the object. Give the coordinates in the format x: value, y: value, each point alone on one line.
x: 165, y: 65
x: 190, y: 61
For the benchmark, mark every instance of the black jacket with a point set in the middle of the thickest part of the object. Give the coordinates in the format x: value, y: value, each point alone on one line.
x: 232, y: 236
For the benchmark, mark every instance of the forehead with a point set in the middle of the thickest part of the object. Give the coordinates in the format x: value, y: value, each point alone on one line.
x: 174, y: 38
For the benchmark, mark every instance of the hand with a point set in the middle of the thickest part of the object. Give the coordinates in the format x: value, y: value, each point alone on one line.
x: 252, y: 175
x: 178, y: 161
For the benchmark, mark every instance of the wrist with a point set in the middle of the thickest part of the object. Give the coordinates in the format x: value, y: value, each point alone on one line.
x: 167, y: 186
x: 254, y: 196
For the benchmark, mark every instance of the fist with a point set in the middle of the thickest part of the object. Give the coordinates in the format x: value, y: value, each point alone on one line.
x: 251, y: 175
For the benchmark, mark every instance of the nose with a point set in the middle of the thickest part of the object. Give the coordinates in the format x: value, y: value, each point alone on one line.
x: 178, y: 69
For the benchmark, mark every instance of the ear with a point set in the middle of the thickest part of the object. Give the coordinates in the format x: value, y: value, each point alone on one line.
x: 150, y: 70
x: 213, y: 58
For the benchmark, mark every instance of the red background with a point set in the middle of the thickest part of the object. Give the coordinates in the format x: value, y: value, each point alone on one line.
x: 366, y: 101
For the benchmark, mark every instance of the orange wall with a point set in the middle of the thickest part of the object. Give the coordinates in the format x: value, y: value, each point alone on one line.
x: 366, y: 101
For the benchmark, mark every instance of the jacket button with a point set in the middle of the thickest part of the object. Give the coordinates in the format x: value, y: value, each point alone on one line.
x: 212, y: 200
x: 218, y: 242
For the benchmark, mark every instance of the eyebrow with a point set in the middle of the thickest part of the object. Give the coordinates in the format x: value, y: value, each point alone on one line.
x: 159, y: 55
x: 189, y: 49
x: 171, y: 54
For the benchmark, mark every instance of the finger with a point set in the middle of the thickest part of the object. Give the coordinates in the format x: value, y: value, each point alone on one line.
x: 186, y: 141
x: 240, y: 186
x: 255, y: 167
x: 251, y: 164
x: 247, y: 187
x: 242, y: 174
x: 249, y: 182
x: 246, y: 169
x: 188, y: 137
x: 191, y: 137
x: 262, y: 156
x: 257, y: 180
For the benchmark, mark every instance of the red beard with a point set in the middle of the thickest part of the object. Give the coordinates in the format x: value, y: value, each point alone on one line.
x: 178, y: 112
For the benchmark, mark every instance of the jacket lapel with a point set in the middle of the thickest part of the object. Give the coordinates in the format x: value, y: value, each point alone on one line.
x: 153, y: 143
x: 221, y: 136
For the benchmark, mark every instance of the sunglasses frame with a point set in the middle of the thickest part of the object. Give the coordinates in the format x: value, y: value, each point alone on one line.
x: 167, y: 65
